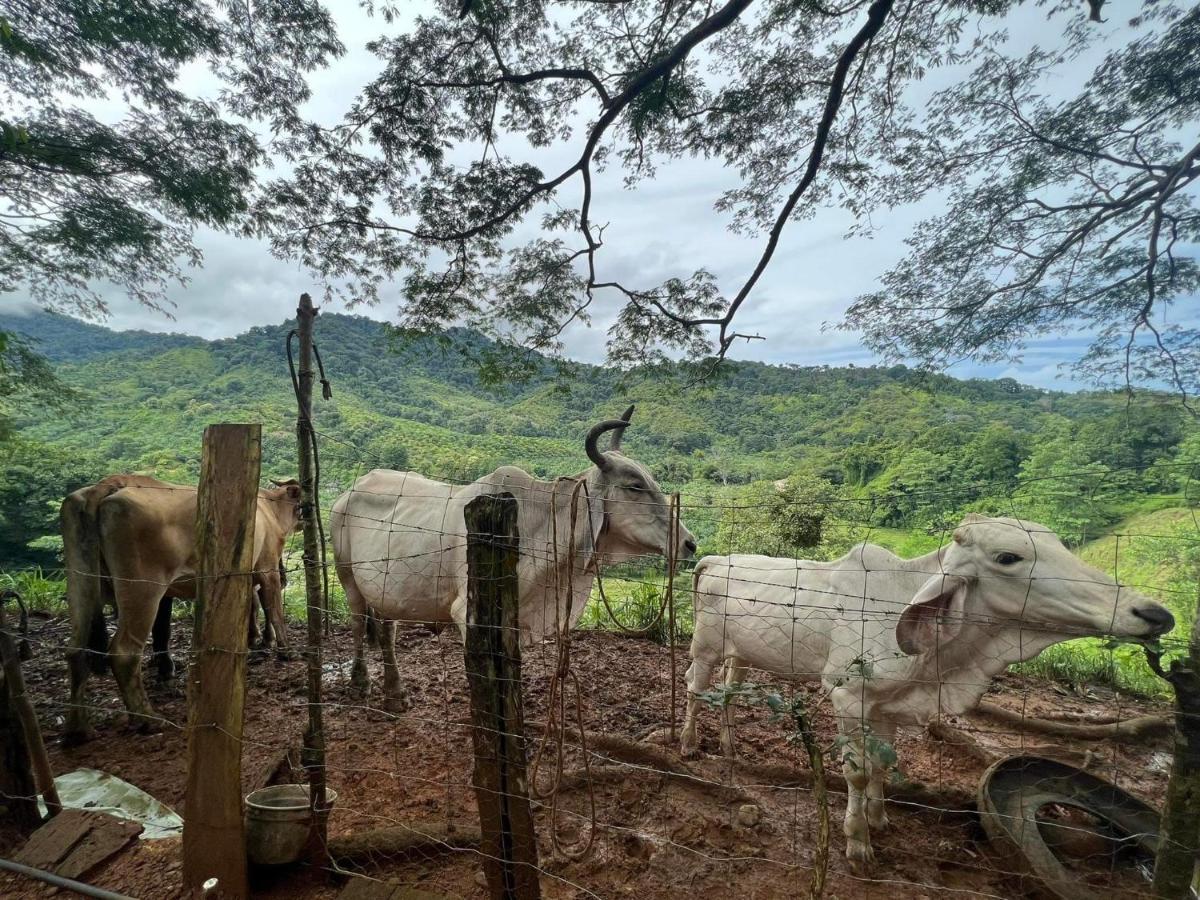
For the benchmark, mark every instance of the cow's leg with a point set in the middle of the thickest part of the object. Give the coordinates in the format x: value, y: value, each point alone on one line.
x: 698, y: 678
x: 360, y: 681
x: 161, y: 641
x: 252, y: 625
x: 138, y: 602
x: 856, y: 769
x: 86, y: 654
x: 270, y: 594
x: 735, y: 674
x: 395, y: 698
x: 876, y: 812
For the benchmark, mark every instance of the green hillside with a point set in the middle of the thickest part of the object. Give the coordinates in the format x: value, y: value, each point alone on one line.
x: 774, y: 459
x: 873, y: 448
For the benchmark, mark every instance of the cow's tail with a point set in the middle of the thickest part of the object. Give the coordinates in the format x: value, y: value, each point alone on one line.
x: 85, y: 580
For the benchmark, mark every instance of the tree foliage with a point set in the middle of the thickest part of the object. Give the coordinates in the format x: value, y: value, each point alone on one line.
x: 439, y: 173
x: 427, y: 177
x: 1065, y: 215
x: 85, y: 199
x: 26, y: 380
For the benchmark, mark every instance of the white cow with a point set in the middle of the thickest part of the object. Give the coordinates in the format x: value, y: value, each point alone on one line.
x: 399, y: 541
x: 900, y: 641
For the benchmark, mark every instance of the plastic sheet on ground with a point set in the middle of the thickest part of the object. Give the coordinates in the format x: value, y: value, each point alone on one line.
x: 93, y: 789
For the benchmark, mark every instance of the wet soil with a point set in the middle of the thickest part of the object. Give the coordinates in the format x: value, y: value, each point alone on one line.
x: 655, y: 837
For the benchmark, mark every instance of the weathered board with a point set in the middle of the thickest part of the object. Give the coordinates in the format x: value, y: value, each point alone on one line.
x: 370, y: 889
x: 76, y: 841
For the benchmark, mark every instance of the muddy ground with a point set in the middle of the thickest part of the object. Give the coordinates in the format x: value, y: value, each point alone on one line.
x: 656, y: 837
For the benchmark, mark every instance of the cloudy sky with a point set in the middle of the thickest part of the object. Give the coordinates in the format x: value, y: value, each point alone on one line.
x: 662, y: 227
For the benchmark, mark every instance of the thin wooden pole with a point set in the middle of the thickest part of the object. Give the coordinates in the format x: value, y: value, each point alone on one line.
x: 493, y: 664
x: 1179, y: 831
x: 672, y: 564
x: 313, y: 753
x: 26, y: 744
x: 214, y: 843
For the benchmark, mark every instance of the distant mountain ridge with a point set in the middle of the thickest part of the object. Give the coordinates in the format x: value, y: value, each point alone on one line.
x: 921, y: 447
x: 64, y: 339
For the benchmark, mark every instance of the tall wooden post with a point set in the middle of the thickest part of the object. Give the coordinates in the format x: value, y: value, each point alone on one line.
x: 214, y: 842
x: 1179, y: 831
x: 493, y: 664
x: 312, y: 756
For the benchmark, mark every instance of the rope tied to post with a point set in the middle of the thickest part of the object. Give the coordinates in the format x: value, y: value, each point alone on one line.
x: 668, y: 592
x: 556, y: 700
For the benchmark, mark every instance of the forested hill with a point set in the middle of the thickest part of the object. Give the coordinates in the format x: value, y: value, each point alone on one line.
x: 921, y: 447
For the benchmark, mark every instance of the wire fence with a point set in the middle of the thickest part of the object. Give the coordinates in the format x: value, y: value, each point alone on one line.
x: 689, y: 726
x: 646, y: 780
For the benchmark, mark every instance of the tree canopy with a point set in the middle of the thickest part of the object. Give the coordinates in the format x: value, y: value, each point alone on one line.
x: 1062, y: 213
x: 88, y: 199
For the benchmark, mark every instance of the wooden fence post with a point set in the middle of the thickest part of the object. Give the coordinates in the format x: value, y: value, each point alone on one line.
x: 1179, y: 831
x: 214, y: 842
x: 493, y: 664
x: 28, y: 728
x: 312, y: 755
x: 22, y: 751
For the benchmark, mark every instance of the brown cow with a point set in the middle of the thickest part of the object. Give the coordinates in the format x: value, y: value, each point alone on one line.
x: 131, y: 539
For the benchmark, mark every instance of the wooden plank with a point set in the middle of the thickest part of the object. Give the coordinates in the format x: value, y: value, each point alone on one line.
x: 214, y: 843
x: 371, y: 889
x: 108, y: 837
x: 76, y: 841
x: 493, y: 665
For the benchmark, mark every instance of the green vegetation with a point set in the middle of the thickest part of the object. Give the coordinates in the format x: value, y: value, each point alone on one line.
x: 778, y: 460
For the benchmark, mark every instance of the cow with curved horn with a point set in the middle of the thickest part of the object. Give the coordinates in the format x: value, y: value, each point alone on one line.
x: 399, y: 541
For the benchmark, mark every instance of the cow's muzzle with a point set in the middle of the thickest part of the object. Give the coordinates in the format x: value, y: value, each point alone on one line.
x: 1159, y: 618
x: 689, y: 548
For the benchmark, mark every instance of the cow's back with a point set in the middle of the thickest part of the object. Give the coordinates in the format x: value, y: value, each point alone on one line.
x: 402, y: 537
x: 147, y: 530
x: 804, y: 618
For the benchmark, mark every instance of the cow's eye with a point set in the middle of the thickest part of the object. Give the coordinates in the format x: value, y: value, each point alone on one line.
x: 640, y: 488
x: 1007, y: 559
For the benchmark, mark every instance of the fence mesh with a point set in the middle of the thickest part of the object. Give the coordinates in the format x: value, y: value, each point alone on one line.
x: 672, y: 760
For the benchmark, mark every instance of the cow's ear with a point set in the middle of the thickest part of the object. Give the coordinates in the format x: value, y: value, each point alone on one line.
x: 293, y: 492
x: 935, y: 614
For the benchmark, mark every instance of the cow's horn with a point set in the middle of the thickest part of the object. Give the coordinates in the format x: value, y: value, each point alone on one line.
x: 589, y: 444
x: 618, y: 433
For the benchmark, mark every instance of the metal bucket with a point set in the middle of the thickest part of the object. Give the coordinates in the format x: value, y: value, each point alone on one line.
x: 277, y: 823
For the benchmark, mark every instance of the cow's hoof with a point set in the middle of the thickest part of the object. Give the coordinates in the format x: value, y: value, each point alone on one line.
x: 360, y: 682
x: 166, y: 673
x: 77, y: 737
x: 397, y: 703
x: 860, y: 854
x: 878, y: 822
x: 286, y: 654
x: 689, y: 750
